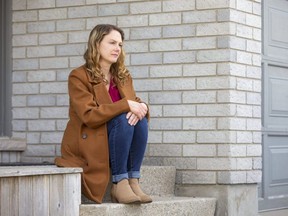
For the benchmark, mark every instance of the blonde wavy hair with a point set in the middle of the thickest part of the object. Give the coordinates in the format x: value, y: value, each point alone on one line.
x: 118, y: 70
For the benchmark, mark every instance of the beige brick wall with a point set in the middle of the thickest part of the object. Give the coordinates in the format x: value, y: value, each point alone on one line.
x: 196, y: 62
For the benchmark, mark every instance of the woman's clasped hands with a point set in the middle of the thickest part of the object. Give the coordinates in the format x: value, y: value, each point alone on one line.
x: 137, y: 112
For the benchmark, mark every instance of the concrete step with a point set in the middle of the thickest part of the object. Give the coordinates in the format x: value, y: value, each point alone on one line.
x: 161, y: 206
x: 155, y: 180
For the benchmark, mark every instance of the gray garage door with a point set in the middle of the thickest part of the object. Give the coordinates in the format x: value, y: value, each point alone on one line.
x: 274, y: 188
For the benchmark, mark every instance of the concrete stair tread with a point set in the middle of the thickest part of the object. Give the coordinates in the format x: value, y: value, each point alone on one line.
x: 168, y: 205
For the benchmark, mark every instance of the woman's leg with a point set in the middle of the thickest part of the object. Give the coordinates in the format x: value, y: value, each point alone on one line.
x: 137, y: 149
x: 120, y: 135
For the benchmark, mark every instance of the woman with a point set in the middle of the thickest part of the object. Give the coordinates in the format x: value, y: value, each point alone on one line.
x: 107, y: 125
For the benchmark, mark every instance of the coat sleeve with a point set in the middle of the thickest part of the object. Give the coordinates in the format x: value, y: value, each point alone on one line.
x: 83, y: 102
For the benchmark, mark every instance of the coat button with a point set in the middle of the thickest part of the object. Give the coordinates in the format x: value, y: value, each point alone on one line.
x: 84, y: 136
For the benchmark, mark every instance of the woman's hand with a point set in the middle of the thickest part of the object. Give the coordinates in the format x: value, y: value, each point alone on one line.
x: 132, y: 118
x: 138, y: 109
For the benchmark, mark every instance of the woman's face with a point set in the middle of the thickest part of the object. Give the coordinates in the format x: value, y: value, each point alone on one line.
x: 110, y: 48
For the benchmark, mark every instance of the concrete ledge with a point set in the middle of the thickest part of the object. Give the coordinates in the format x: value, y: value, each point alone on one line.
x: 12, y: 144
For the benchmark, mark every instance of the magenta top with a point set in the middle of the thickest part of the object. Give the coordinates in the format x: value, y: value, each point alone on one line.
x: 114, y: 92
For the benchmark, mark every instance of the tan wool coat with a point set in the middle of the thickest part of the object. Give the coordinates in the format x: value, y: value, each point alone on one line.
x: 85, y: 140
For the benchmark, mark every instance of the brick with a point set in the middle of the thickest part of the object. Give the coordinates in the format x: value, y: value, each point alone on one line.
x: 61, y: 124
x: 199, y: 97
x: 257, y: 137
x: 199, y: 43
x: 254, y: 176
x: 165, y: 70
x: 19, y: 76
x: 78, y: 37
x: 40, y: 51
x: 216, y: 55
x: 145, y: 33
x: 209, y: 4
x: 32, y: 4
x: 231, y: 42
x: 25, y: 64
x: 244, y: 57
x: 41, y: 75
x: 51, y: 137
x: 53, y: 14
x: 70, y: 25
x: 199, y: 16
x: 70, y: 49
x: 253, y: 98
x: 213, y: 29
x: 65, y: 3
x: 146, y: 58
x: 244, y: 110
x: 53, y: 38
x: 100, y: 1
x: 148, y: 85
x: 136, y: 46
x: 257, y: 111
x: 155, y: 137
x: 62, y: 74
x: 199, y: 69
x: 231, y: 123
x: 53, y: 63
x: 19, y: 125
x: 179, y: 137
x: 216, y: 137
x: 179, y: 84
x: 180, y: 163
x: 257, y: 34
x: 75, y: 61
x: 244, y: 163
x: 19, y: 28
x: 40, y: 150
x: 41, y: 100
x: 244, y: 31
x: 165, y: 19
x: 54, y: 112
x: 232, y: 177
x: 231, y: 96
x: 257, y: 163
x: 113, y: 10
x: 244, y: 84
x: 179, y: 110
x: 179, y: 31
x: 165, y: 97
x: 231, y: 69
x: 199, y: 123
x: 199, y: 150
x: 156, y: 110
x: 33, y: 137
x: 254, y: 124
x: 92, y: 22
x: 253, y: 20
x: 166, y: 124
x: 132, y: 21
x: 25, y: 40
x: 25, y: 113
x: 41, y: 125
x: 40, y: 27
x: 253, y: 46
x: 19, y: 101
x: 164, y: 150
x: 24, y: 16
x: 145, y: 7
x: 253, y: 72
x: 256, y: 60
x: 62, y: 100
x: 223, y: 82
x: 227, y: 150
x: 82, y: 11
x: 18, y: 5
x: 25, y: 88
x: 165, y: 45
x: 216, y: 163
x: 244, y: 137
x: 55, y: 87
x: 199, y: 177
x: 179, y: 57
x: 182, y: 5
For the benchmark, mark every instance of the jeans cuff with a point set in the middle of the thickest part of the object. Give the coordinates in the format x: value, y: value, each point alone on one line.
x: 134, y: 174
x: 118, y: 178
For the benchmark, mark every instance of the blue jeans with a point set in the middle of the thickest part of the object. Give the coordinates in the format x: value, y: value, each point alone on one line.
x: 127, y: 146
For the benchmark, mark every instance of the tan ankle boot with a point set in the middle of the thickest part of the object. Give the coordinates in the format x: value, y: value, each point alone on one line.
x: 122, y: 193
x: 134, y: 184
